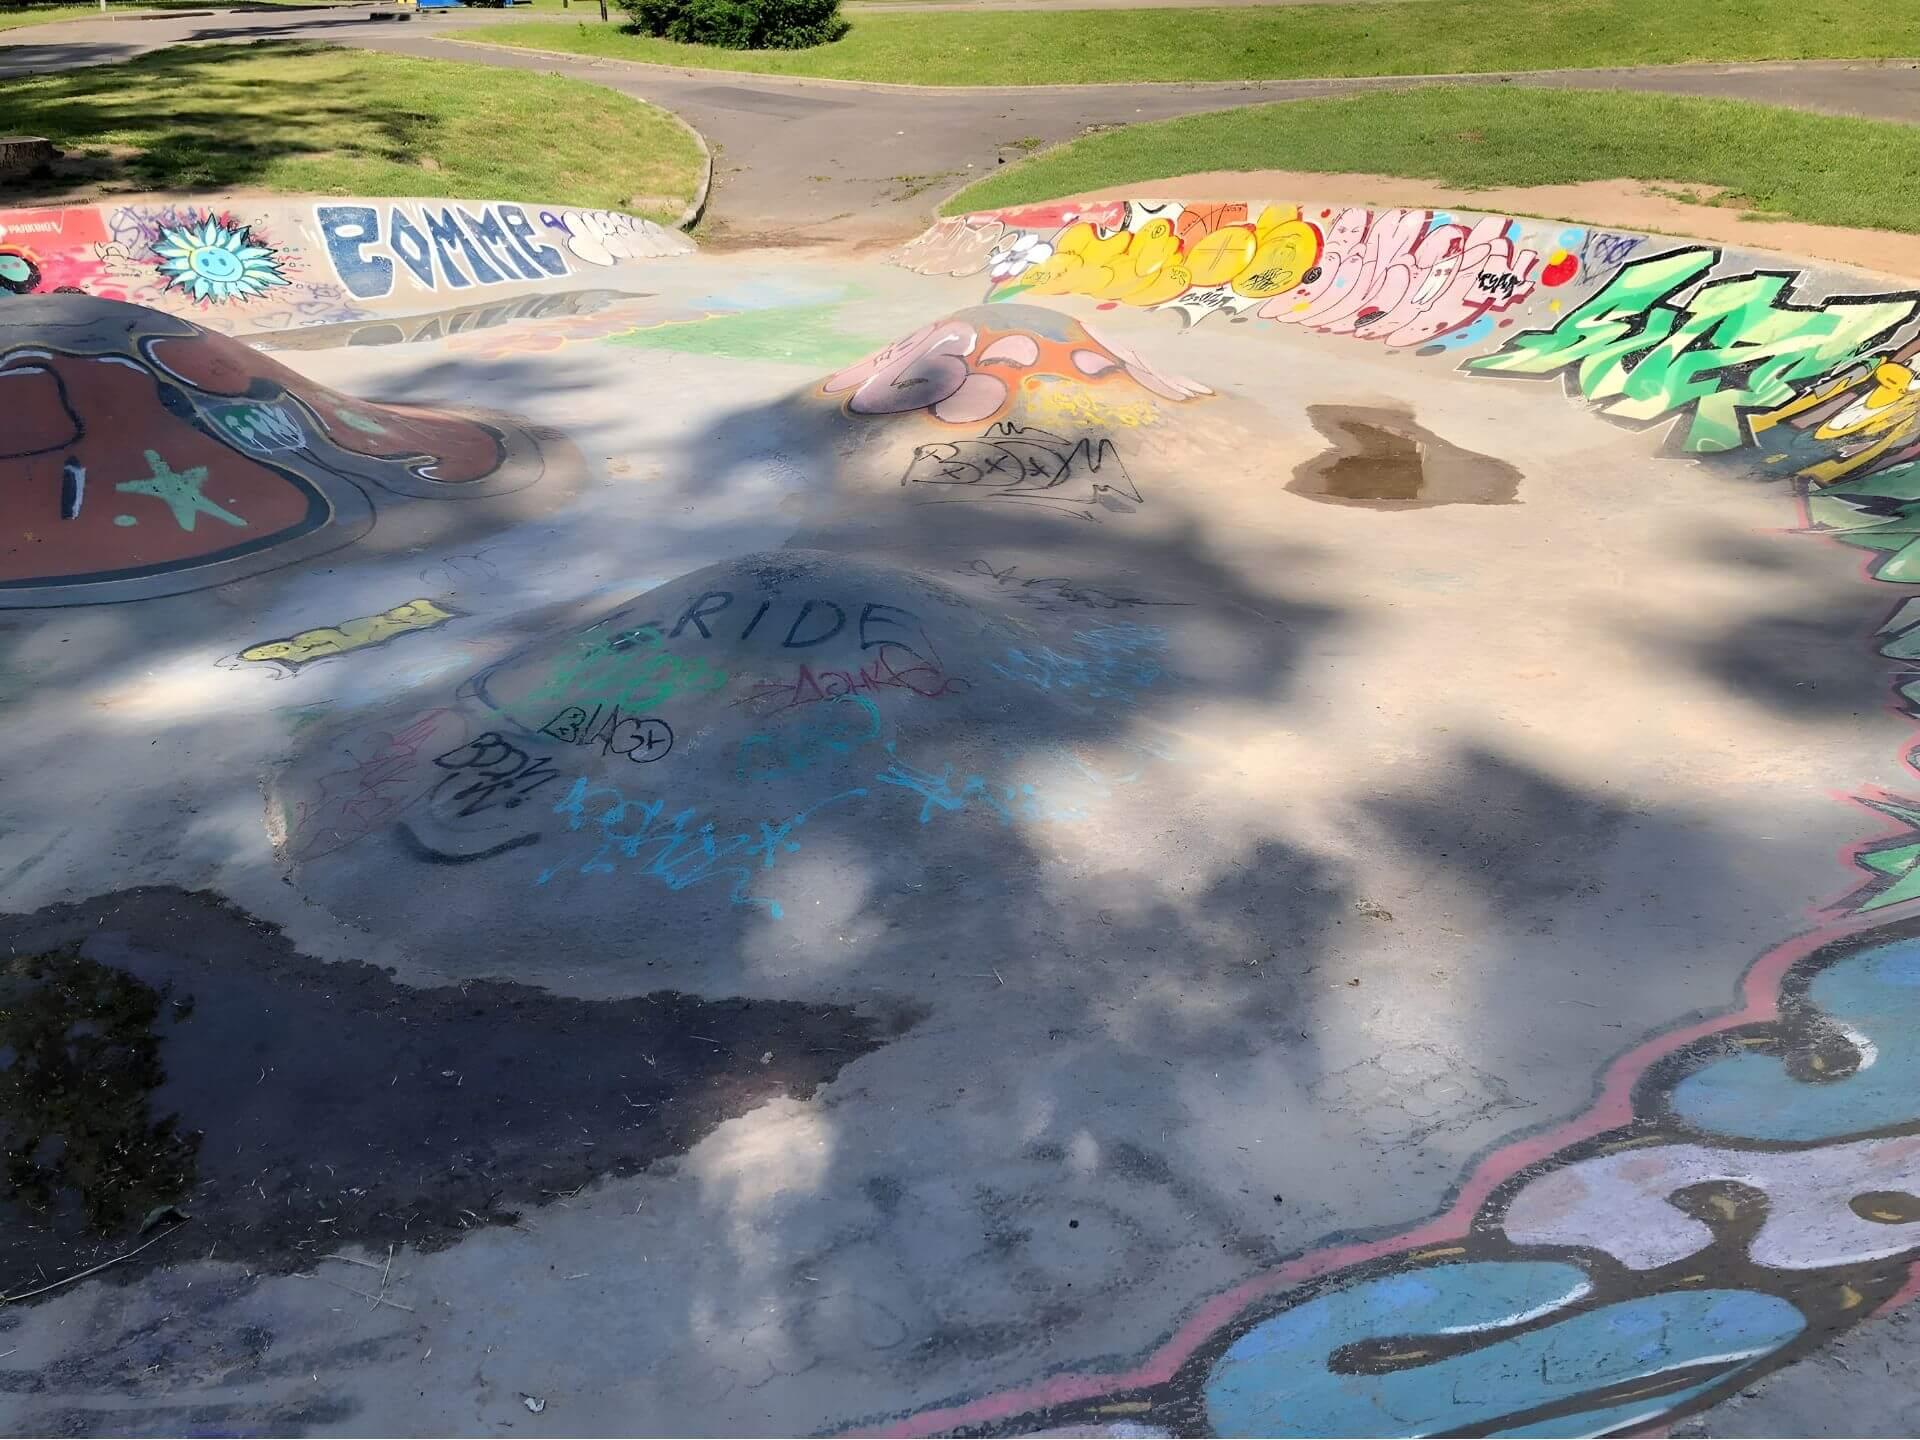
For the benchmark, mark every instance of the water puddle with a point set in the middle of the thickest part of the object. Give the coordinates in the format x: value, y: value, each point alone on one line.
x: 1382, y: 460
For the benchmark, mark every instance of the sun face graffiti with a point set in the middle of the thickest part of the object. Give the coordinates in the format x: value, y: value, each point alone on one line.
x: 216, y: 263
x: 970, y: 367
x: 18, y: 274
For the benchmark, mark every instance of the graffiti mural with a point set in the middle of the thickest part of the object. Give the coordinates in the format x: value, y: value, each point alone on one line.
x: 217, y: 262
x: 1402, y: 277
x: 18, y: 274
x: 151, y: 456
x: 1744, y: 1187
x: 606, y: 237
x: 1661, y: 338
x: 969, y: 368
x: 252, y: 266
x: 449, y: 247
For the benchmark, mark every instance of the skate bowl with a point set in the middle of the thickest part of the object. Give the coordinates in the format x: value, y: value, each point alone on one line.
x: 1144, y: 818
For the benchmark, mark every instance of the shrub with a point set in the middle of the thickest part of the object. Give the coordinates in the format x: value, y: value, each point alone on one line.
x: 740, y: 24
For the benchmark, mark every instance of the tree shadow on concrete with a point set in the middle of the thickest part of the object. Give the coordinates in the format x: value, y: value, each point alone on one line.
x: 1143, y: 1055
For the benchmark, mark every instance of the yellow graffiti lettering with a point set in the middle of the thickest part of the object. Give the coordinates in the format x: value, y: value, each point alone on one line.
x: 1285, y: 253
x: 357, y: 634
x: 1220, y: 256
x: 1153, y: 265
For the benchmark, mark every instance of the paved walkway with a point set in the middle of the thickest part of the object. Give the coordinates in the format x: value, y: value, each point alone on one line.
x: 803, y: 158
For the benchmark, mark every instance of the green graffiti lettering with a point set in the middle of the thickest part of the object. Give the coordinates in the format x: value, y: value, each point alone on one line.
x: 1737, y: 345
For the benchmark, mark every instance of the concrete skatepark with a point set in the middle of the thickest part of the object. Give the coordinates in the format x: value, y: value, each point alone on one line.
x: 1248, y: 816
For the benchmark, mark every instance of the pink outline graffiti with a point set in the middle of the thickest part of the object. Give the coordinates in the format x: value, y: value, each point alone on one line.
x: 1613, y: 1106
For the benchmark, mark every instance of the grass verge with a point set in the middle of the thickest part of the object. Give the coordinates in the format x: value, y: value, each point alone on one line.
x: 1414, y: 37
x: 315, y: 119
x: 1473, y: 137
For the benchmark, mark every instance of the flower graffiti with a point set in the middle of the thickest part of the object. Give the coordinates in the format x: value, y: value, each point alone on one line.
x: 217, y: 262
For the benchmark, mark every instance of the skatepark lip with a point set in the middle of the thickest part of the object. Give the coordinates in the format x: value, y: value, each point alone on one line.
x: 1650, y: 207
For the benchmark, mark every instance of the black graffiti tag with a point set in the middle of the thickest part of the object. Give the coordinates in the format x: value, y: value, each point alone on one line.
x: 642, y: 739
x: 486, y: 772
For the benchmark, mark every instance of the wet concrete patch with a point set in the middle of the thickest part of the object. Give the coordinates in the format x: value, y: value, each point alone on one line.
x: 162, y: 1047
x: 1382, y: 460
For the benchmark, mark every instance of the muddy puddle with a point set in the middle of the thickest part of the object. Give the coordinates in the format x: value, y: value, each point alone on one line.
x: 1381, y: 459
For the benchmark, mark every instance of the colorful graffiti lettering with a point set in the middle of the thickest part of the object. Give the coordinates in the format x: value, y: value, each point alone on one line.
x: 968, y: 368
x: 1744, y: 1186
x: 445, y: 246
x: 1732, y: 345
x: 296, y: 651
x: 1404, y: 277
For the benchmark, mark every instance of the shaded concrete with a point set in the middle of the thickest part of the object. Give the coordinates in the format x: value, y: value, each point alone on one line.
x: 1184, y: 882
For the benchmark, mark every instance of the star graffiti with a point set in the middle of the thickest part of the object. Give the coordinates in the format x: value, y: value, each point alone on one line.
x: 179, y: 492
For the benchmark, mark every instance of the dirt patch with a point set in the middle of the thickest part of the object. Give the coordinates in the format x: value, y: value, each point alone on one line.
x: 1651, y: 207
x: 161, y: 1048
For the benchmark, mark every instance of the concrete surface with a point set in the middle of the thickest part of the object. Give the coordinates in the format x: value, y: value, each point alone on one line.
x: 1277, y: 831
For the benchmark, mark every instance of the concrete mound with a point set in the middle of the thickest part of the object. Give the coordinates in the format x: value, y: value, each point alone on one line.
x: 684, y: 740
x: 144, y: 455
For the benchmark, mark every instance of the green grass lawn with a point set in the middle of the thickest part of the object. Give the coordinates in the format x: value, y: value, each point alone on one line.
x: 316, y: 119
x: 1818, y: 168
x: 1416, y: 37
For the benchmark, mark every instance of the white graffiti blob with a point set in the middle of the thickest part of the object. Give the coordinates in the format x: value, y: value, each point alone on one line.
x: 600, y: 237
x: 954, y: 247
x: 1821, y: 1205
